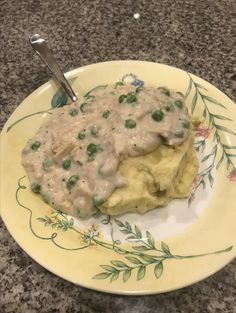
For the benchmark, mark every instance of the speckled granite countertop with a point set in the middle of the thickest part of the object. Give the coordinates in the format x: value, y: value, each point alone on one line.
x: 198, y: 36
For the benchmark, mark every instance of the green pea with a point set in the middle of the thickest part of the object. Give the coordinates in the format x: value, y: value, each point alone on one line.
x: 106, y: 114
x: 164, y: 91
x: 130, y: 123
x: 94, y: 130
x: 169, y: 107
x: 186, y: 124
x: 122, y: 98
x: 36, y: 187
x: 85, y: 107
x: 179, y: 104
x: 73, y: 112
x: 138, y: 89
x: 82, y: 135
x: 179, y: 134
x: 66, y: 163
x: 92, y: 149
x: 47, y: 163
x: 78, y: 212
x: 35, y: 145
x: 131, y: 97
x: 97, y: 200
x: 72, y: 181
x: 157, y: 115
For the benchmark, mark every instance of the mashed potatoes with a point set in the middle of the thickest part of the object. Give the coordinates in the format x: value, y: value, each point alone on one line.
x: 154, y: 179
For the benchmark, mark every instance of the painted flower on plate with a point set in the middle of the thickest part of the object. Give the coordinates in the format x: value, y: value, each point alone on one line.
x: 203, y: 131
x: 232, y: 175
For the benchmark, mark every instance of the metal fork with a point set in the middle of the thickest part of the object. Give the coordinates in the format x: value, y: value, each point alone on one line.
x: 40, y: 46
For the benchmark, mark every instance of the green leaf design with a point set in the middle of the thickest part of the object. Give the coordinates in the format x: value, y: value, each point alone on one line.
x: 141, y: 272
x: 200, y: 86
x: 203, y: 145
x: 131, y: 238
x: 206, y: 157
x: 158, y: 270
x: 120, y: 250
x: 165, y: 248
x: 41, y: 219
x: 220, y: 161
x: 127, y: 225
x: 102, y: 275
x: 125, y: 231
x: 88, y: 94
x: 194, y: 102
x: 48, y: 219
x: 211, y: 179
x: 119, y: 223
x: 109, y: 268
x: 27, y: 116
x: 225, y: 129
x: 60, y: 98
x: 213, y: 122
x: 221, y: 117
x: 229, y: 147
x: 134, y: 260
x: 119, y: 264
x: 138, y: 231
x: 141, y: 248
x: 150, y: 239
x: 189, y: 88
x: 203, y: 184
x: 114, y: 276
x: 126, y: 275
x: 213, y: 101
x: 148, y: 258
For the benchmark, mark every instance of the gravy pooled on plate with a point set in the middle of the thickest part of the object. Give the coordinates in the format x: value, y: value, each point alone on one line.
x: 74, y: 157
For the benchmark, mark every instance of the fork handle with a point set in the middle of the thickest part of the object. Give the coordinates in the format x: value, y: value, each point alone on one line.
x: 40, y: 46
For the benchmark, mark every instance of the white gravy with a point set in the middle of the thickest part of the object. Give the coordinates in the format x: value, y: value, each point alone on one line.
x: 74, y: 157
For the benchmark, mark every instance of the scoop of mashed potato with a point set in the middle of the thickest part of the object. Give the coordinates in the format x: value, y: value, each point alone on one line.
x: 154, y: 179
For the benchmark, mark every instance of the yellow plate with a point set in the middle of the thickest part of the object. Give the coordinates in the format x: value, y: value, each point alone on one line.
x: 165, y: 249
